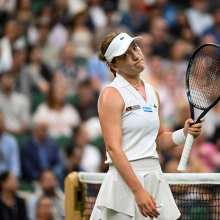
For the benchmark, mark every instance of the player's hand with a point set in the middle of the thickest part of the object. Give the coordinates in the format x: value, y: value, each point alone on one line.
x: 195, y: 129
x: 146, y: 203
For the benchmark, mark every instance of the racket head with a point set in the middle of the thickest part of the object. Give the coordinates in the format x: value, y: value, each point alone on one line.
x: 203, y: 77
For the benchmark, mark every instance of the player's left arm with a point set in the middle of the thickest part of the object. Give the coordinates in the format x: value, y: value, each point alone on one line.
x: 164, y: 139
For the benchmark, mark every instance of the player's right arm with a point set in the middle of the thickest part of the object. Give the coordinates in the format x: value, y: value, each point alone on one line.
x: 111, y: 105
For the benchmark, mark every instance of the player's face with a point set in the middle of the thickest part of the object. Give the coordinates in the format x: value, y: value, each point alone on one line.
x: 131, y: 62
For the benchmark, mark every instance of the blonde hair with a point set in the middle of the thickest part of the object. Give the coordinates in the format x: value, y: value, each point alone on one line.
x: 104, y: 46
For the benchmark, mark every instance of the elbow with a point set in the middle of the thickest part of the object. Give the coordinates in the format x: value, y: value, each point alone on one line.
x: 112, y: 150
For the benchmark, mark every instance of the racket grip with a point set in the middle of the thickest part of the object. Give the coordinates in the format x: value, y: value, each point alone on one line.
x: 185, y: 154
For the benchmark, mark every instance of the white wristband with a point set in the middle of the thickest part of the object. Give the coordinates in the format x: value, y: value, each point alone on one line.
x: 179, y: 137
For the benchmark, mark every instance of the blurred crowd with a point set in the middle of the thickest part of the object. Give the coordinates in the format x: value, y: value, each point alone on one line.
x: 50, y: 80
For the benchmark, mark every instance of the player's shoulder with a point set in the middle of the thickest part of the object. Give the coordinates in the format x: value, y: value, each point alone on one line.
x: 111, y: 94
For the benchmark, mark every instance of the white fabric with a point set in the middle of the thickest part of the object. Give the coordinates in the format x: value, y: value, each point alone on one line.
x: 139, y: 128
x: 16, y: 110
x: 119, y: 45
x: 91, y: 159
x: 199, y: 21
x: 117, y: 196
x: 179, y: 137
x: 60, y: 122
x: 6, y: 59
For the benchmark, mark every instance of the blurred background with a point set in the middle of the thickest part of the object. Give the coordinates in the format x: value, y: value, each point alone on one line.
x: 50, y: 80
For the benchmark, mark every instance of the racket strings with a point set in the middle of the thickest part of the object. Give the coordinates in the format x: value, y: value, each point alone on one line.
x: 204, y: 77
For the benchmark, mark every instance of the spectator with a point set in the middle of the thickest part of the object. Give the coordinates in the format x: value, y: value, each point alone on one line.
x: 60, y: 116
x: 50, y: 51
x: 16, y: 119
x: 162, y: 39
x: 23, y: 14
x: 215, y: 29
x: 87, y: 101
x: 70, y: 70
x: 180, y: 23
x: 9, y: 36
x: 38, y: 153
x: 169, y: 12
x: 72, y: 162
x: 11, y: 206
x: 199, y: 19
x: 156, y: 71
x: 81, y: 36
x: 19, y: 60
x: 97, y: 14
x: 48, y: 187
x: 135, y: 18
x: 206, y: 153
x: 176, y: 60
x: 91, y: 160
x: 9, y: 152
x: 61, y: 11
x: 35, y: 76
x: 170, y: 95
x: 44, y: 209
x: 146, y: 46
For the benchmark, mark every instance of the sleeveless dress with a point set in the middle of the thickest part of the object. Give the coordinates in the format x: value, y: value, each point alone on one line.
x: 140, y: 125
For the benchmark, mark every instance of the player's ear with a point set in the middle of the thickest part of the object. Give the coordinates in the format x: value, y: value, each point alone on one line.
x: 114, y: 67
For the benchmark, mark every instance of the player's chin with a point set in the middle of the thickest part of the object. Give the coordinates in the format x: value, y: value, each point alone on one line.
x: 140, y: 68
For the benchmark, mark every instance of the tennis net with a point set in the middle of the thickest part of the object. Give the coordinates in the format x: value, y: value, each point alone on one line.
x: 197, y: 195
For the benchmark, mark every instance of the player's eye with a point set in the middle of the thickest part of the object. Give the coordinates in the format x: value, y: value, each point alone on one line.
x: 135, y: 47
x: 126, y: 54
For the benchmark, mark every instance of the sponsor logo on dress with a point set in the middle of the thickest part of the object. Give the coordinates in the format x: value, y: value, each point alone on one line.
x: 121, y: 38
x: 147, y: 109
x: 134, y: 107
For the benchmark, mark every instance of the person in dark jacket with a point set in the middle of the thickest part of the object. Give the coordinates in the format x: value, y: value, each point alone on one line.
x: 12, y: 207
x: 38, y: 153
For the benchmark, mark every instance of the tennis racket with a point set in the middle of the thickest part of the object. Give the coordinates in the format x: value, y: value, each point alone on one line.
x: 202, y: 87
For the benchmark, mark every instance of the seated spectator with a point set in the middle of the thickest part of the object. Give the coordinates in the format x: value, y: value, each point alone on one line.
x: 135, y: 18
x: 38, y: 153
x: 81, y: 36
x: 44, y: 209
x: 168, y: 11
x: 35, y: 76
x: 215, y: 29
x: 15, y: 106
x: 69, y: 69
x: 162, y: 40
x: 9, y: 152
x: 11, y: 206
x: 87, y: 102
x: 176, y: 60
x: 48, y: 187
x: 60, y: 116
x: 91, y: 160
x: 74, y: 156
x: 50, y: 51
x: 198, y: 18
x: 9, y: 37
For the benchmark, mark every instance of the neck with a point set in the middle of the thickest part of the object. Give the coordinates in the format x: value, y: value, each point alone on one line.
x: 57, y: 106
x: 8, y: 197
x: 133, y: 80
x: 7, y: 92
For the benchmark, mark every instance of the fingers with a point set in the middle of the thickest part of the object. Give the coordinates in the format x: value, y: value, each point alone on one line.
x: 149, y: 210
x: 202, y: 119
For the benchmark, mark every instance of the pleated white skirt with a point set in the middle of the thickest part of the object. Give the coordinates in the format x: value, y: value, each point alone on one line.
x: 116, y: 201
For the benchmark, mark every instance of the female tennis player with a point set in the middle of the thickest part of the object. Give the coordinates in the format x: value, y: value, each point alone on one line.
x: 129, y: 111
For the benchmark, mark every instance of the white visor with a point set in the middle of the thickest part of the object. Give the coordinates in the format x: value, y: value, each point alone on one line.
x: 119, y: 46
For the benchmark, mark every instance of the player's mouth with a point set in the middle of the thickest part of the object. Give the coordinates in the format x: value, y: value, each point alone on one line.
x: 138, y: 62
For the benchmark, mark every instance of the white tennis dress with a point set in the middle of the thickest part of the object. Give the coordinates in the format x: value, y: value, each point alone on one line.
x: 140, y: 125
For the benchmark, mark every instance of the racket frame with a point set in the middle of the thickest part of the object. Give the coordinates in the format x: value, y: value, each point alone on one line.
x: 188, y: 91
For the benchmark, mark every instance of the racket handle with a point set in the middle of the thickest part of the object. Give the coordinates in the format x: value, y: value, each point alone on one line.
x: 185, y: 154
